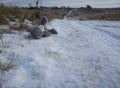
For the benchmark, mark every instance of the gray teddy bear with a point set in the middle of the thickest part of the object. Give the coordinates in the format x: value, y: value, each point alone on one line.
x: 40, y: 30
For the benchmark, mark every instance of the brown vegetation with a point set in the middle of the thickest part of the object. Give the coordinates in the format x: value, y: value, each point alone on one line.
x: 5, y: 31
x: 12, y: 13
x: 19, y: 27
x: 34, y: 14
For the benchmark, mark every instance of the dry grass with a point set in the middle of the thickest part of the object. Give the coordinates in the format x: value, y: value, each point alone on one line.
x: 112, y: 16
x: 12, y: 13
x: 109, y: 16
x: 5, y: 31
x: 8, y: 14
x: 7, y: 63
x: 21, y: 27
x: 6, y: 66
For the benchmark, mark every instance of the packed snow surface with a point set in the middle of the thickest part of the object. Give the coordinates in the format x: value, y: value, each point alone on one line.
x: 84, y: 54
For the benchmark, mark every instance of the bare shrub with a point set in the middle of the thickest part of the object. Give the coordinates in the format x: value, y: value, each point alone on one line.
x: 19, y: 27
x: 5, y: 66
x: 11, y: 13
x: 5, y: 31
x: 4, y: 43
x: 89, y: 7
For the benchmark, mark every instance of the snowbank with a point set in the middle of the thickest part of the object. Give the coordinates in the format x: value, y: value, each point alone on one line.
x: 82, y: 55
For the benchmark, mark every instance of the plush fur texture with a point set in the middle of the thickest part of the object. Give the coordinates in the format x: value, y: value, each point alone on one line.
x: 43, y: 20
x: 40, y: 30
x: 53, y: 31
x: 36, y: 33
x: 46, y: 33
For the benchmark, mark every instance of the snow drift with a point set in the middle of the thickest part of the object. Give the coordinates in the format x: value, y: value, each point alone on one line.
x: 84, y: 54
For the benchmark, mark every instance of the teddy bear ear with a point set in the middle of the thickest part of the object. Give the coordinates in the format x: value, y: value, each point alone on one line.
x: 43, y: 20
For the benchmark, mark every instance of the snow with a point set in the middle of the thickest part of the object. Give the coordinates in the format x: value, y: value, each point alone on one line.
x: 27, y: 22
x: 4, y: 27
x: 84, y: 54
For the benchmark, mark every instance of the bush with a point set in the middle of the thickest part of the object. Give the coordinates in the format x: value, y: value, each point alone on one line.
x: 6, y: 66
x: 19, y: 27
x: 89, y: 7
x: 12, y: 13
x: 3, y: 20
x: 6, y: 31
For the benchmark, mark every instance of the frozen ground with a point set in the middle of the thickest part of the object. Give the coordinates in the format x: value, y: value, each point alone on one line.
x: 85, y: 54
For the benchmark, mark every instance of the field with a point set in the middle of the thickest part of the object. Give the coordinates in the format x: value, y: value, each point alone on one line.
x: 84, y: 54
x: 34, y: 14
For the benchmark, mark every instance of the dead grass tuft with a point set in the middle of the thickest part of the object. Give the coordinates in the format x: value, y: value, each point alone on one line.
x: 109, y: 16
x: 19, y: 27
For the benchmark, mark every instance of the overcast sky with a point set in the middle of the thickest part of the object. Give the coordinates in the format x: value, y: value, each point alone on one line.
x: 71, y: 3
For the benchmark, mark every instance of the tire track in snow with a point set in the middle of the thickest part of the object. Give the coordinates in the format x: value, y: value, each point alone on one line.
x: 94, y: 37
x: 104, y: 37
x: 75, y: 58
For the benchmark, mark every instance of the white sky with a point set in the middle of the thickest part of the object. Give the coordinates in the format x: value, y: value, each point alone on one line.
x: 72, y: 3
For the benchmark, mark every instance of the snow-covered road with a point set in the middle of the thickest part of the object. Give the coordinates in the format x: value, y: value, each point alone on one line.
x: 85, y: 54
